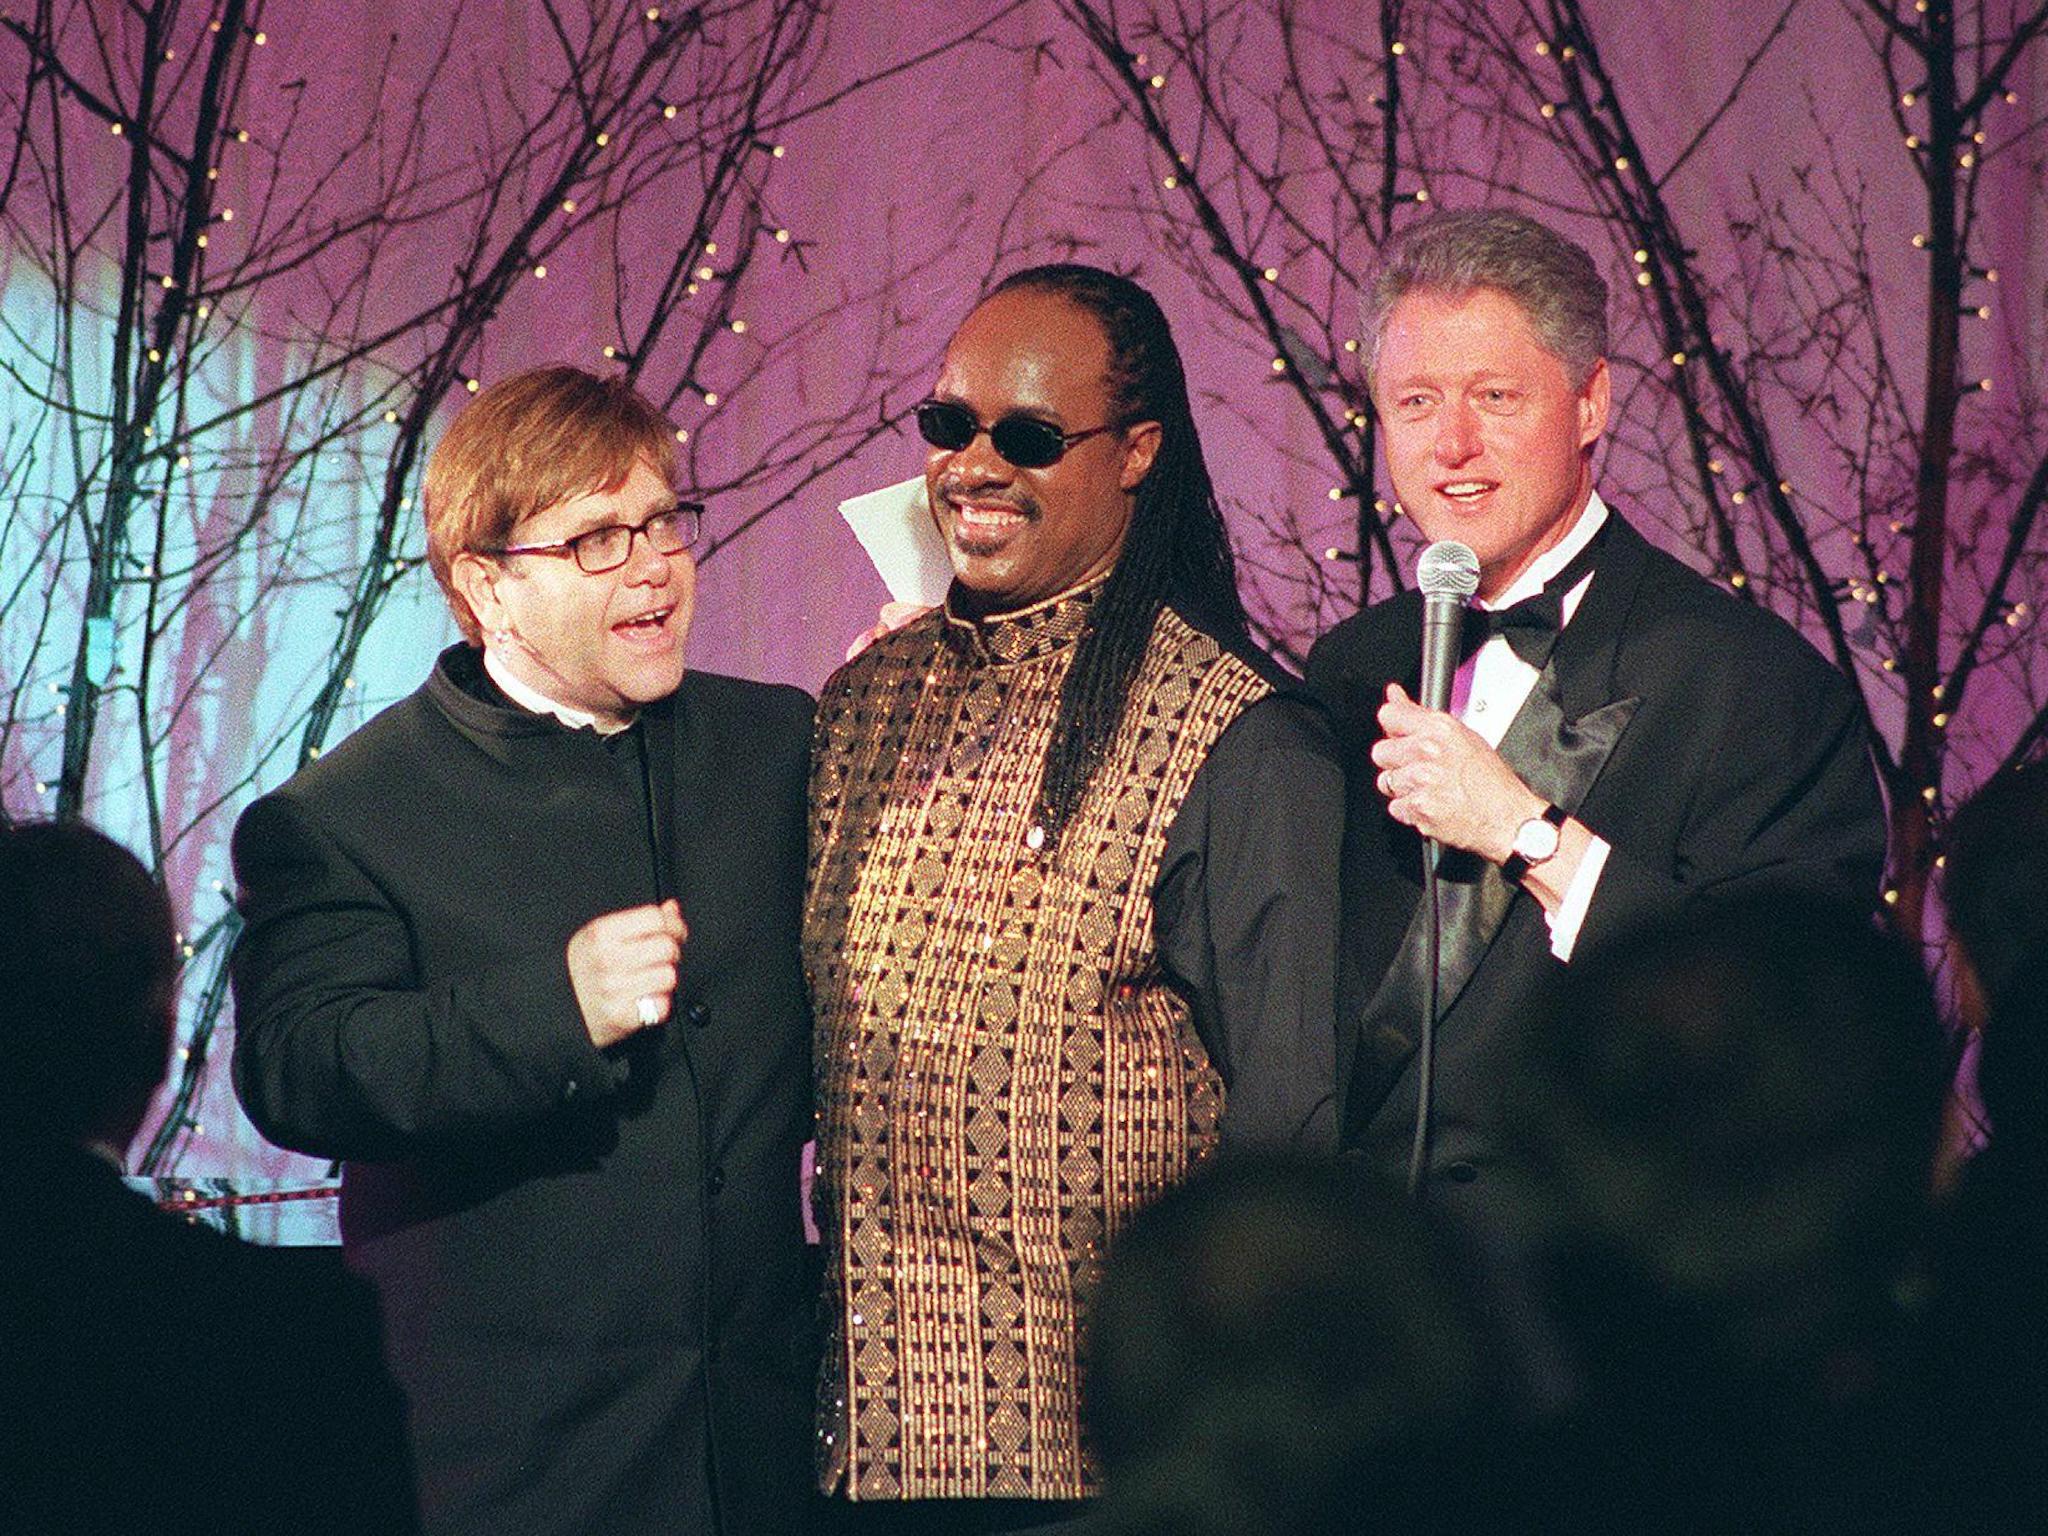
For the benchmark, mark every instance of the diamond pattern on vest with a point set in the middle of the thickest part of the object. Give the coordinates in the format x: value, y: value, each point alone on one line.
x: 1003, y: 1073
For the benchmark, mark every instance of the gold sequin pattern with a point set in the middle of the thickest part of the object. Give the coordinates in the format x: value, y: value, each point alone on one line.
x: 1003, y: 1073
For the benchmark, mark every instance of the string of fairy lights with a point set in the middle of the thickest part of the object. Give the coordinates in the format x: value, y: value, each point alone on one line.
x: 189, y: 296
x: 168, y: 347
x: 1876, y: 587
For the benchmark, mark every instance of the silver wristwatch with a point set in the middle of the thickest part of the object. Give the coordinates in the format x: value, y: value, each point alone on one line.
x: 1535, y: 841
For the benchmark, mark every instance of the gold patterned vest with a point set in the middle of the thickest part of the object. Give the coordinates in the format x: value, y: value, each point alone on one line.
x: 1004, y: 1075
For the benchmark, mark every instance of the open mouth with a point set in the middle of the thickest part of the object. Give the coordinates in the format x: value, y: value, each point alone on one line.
x: 1465, y: 490
x: 988, y: 517
x: 983, y: 528
x: 649, y: 623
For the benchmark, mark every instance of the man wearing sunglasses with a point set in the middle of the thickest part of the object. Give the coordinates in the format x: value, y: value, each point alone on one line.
x: 1071, y: 915
x: 522, y: 953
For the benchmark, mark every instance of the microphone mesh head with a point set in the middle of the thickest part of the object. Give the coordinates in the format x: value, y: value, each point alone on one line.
x: 1447, y: 569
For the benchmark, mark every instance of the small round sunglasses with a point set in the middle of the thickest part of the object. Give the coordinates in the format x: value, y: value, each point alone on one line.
x: 1025, y: 441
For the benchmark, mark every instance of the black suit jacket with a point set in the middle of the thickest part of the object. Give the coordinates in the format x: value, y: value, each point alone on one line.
x: 591, y: 1263
x: 157, y: 1376
x: 1709, y: 744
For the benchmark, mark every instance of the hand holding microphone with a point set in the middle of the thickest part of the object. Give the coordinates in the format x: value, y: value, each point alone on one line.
x: 1439, y: 775
x: 1436, y: 773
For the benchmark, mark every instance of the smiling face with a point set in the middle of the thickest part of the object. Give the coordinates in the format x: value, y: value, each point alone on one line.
x: 1019, y: 536
x: 1487, y: 438
x: 603, y: 644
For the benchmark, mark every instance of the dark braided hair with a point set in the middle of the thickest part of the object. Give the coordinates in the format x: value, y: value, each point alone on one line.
x: 1177, y: 550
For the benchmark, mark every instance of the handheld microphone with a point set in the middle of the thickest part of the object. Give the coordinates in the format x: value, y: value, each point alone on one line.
x: 1448, y: 574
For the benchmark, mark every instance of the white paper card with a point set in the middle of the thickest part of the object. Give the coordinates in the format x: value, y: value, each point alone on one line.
x: 894, y: 525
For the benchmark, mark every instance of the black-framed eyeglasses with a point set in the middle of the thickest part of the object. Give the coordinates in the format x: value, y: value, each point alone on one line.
x: 597, y: 550
x: 1025, y: 441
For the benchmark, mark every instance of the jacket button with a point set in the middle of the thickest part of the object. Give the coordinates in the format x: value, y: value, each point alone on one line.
x: 1461, y: 1173
x: 569, y: 1089
x: 715, y: 1180
x: 699, y: 1014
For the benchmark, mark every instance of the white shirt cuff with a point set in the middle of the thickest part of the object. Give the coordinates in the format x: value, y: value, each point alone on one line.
x: 1570, y: 915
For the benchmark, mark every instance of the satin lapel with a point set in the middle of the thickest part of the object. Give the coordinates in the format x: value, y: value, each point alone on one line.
x: 1557, y: 757
x: 1590, y: 646
x: 1558, y: 742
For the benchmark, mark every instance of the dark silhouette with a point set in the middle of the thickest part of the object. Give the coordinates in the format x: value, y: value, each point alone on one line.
x: 154, y: 1375
x: 1990, y: 1337
x: 1733, y: 1118
x: 1278, y: 1349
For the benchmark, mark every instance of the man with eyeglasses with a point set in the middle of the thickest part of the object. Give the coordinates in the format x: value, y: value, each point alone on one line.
x: 1071, y: 914
x: 522, y: 952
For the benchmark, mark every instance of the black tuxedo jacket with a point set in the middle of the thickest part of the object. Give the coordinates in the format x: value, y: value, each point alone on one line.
x: 591, y: 1264
x: 1707, y: 742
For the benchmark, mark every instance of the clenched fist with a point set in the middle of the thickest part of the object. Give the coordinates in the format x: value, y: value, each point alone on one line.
x: 621, y: 958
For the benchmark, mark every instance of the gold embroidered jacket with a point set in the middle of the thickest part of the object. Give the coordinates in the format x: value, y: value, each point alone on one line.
x: 1007, y: 1064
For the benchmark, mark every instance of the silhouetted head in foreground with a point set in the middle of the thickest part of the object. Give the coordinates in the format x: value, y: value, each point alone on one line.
x: 88, y: 975
x: 1275, y: 1348
x: 1735, y: 1113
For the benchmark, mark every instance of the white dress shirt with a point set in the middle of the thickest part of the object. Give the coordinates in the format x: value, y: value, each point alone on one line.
x: 538, y: 703
x: 1494, y: 684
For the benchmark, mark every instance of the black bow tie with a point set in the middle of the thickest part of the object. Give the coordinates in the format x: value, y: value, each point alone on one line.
x: 1531, y: 626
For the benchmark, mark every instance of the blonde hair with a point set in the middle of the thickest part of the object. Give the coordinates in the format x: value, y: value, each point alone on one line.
x: 528, y: 443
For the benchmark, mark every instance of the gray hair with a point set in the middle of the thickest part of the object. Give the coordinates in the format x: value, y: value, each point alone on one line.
x: 1553, y: 279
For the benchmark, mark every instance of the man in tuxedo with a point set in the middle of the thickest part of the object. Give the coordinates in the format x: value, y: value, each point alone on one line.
x: 1628, y: 738
x: 522, y: 952
x: 154, y: 1375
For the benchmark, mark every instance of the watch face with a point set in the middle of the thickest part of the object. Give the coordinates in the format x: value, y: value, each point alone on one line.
x: 1535, y: 840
